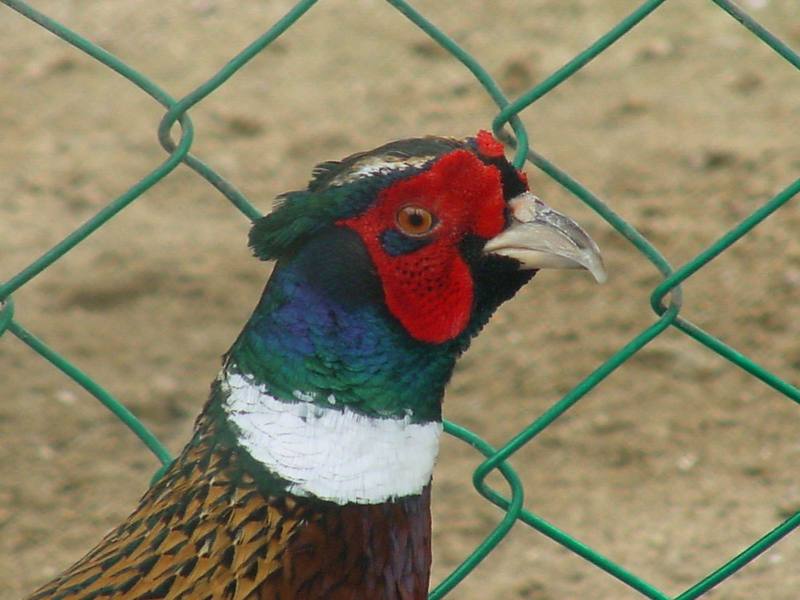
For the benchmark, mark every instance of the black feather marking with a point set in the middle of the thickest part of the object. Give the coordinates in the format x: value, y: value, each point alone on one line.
x: 130, y: 548
x: 126, y: 585
x: 188, y: 566
x: 83, y: 584
x: 147, y: 564
x: 161, y: 591
x: 226, y: 560
x: 159, y: 538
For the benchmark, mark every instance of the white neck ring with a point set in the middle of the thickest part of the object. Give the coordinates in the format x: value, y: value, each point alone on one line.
x: 332, y: 453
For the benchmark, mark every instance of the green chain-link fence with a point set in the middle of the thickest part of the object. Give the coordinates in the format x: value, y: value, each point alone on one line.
x: 665, y: 297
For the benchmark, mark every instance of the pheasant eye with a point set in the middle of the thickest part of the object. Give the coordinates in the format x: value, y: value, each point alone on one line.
x: 415, y: 221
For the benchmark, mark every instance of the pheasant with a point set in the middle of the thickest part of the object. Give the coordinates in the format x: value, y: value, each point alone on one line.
x: 309, y: 470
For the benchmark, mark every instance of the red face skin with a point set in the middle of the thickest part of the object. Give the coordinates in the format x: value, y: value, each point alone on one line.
x: 430, y: 289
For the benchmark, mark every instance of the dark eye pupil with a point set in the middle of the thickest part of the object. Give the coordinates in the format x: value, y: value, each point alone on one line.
x: 415, y: 219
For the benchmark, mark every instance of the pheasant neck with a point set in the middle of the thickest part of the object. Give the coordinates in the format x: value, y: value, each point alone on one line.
x: 322, y: 333
x: 325, y: 391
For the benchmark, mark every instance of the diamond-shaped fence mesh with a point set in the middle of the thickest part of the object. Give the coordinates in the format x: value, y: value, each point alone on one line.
x: 666, y: 297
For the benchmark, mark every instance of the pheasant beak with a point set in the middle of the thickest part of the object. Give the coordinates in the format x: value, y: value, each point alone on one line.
x: 542, y: 238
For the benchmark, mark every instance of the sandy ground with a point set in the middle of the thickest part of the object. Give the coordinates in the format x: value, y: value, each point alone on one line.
x: 672, y: 465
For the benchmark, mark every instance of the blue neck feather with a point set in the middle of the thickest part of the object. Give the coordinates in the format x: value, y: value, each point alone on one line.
x: 321, y: 328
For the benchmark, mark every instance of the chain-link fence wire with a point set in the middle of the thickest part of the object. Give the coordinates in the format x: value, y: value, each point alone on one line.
x: 666, y: 298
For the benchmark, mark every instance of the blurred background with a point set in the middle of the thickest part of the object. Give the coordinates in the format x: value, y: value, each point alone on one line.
x: 671, y: 466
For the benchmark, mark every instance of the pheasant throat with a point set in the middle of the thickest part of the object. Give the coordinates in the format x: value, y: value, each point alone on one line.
x: 330, y: 452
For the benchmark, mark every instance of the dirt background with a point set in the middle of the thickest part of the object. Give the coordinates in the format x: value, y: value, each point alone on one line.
x: 672, y: 465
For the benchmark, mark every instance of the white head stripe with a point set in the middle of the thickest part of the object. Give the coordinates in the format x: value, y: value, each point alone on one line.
x: 331, y: 453
x: 373, y: 165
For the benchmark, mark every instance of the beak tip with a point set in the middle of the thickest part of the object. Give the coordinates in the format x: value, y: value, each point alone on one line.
x: 595, y: 266
x: 600, y: 275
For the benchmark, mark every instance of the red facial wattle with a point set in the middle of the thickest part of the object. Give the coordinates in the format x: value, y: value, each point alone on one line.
x: 430, y: 290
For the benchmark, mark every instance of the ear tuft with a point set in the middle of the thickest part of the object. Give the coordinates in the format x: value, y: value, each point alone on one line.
x: 488, y: 145
x: 300, y: 215
x: 294, y: 218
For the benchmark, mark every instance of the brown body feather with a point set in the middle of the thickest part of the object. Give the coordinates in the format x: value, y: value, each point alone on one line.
x: 206, y: 530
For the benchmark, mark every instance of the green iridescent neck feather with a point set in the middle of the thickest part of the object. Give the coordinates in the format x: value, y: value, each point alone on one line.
x: 322, y: 334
